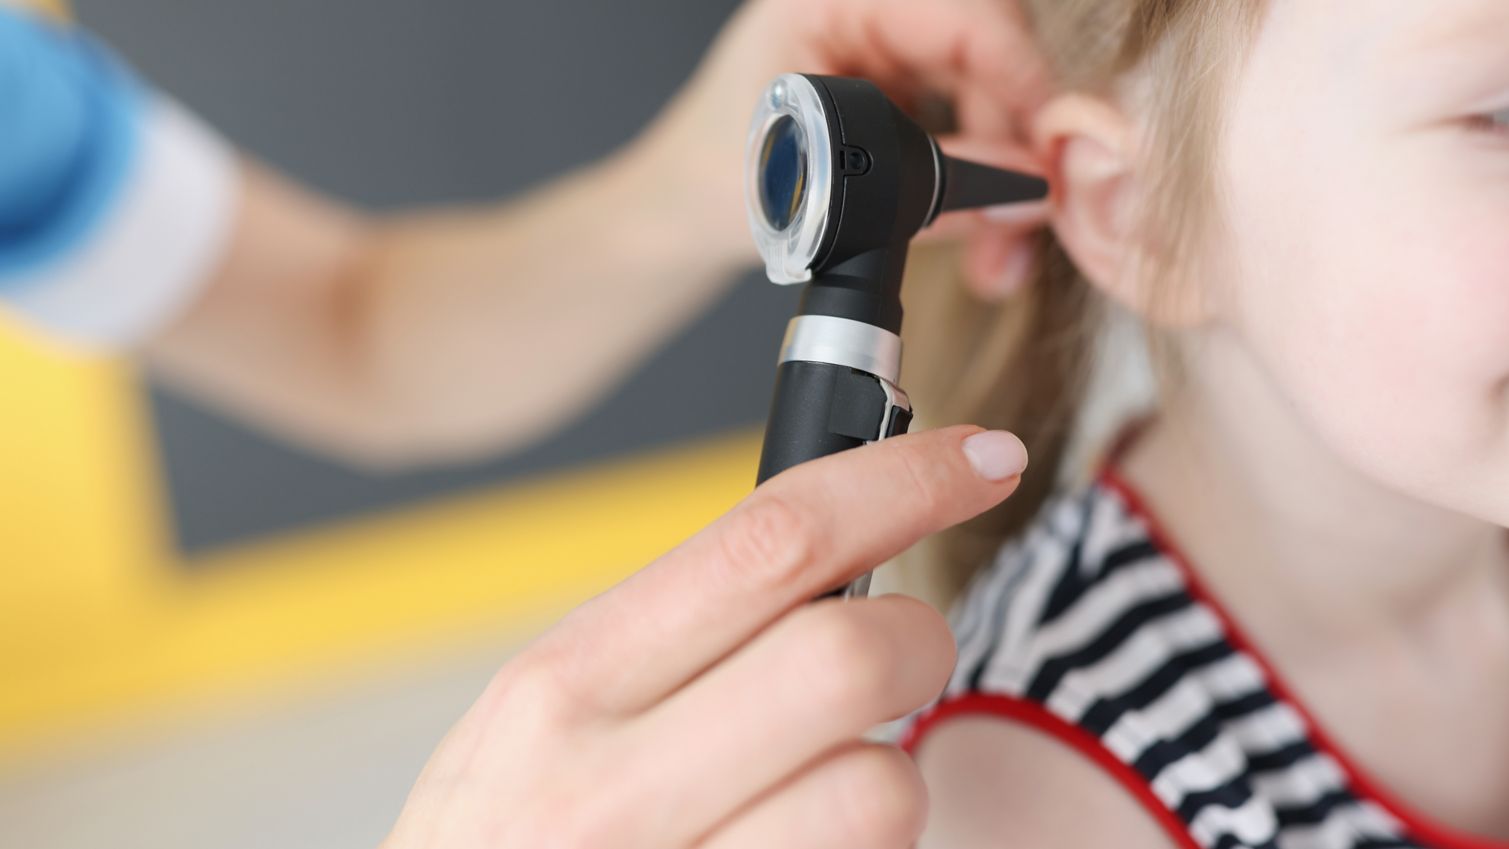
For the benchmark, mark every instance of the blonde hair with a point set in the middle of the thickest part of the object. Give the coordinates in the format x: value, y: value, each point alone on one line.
x: 1025, y: 365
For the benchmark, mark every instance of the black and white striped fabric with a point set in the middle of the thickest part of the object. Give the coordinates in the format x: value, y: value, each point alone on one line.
x: 1092, y: 628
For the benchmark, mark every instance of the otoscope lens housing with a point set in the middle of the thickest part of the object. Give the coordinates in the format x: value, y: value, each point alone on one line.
x: 789, y: 178
x: 838, y: 179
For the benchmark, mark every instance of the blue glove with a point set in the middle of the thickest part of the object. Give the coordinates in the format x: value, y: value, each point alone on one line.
x: 69, y: 131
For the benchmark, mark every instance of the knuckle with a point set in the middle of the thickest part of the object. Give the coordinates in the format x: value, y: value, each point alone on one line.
x: 769, y: 542
x: 926, y: 629
x: 525, y: 678
x: 527, y: 691
x: 883, y: 798
x: 847, y: 665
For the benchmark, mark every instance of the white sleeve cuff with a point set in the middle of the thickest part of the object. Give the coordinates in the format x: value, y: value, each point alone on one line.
x: 153, y: 251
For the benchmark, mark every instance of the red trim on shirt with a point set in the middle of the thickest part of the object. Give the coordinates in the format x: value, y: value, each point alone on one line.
x: 1039, y: 717
x: 1422, y: 829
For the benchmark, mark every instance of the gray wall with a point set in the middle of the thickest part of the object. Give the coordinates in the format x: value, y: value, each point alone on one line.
x: 393, y: 102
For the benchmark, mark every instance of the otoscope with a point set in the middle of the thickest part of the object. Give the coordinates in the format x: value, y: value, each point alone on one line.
x: 838, y: 181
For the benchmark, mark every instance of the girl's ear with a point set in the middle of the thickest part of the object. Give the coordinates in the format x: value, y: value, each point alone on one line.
x: 1091, y: 152
x: 1095, y: 160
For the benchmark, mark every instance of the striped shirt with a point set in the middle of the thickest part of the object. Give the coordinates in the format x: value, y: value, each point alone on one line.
x: 1092, y: 628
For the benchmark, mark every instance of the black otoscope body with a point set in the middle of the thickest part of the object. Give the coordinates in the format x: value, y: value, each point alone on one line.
x: 839, y: 181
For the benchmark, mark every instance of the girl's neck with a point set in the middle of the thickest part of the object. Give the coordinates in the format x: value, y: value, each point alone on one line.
x: 1299, y: 543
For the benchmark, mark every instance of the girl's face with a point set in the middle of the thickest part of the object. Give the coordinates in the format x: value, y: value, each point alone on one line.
x: 1365, y: 179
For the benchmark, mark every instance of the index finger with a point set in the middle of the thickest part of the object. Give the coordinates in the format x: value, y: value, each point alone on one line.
x: 808, y: 530
x: 949, y: 46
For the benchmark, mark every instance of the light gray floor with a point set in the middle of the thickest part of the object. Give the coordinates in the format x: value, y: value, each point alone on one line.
x: 328, y: 772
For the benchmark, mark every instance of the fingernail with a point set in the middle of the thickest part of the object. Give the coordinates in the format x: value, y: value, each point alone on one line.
x: 996, y: 455
x: 1014, y: 213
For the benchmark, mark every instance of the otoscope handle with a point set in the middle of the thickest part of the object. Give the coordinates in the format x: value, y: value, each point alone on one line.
x: 822, y: 409
x: 798, y: 429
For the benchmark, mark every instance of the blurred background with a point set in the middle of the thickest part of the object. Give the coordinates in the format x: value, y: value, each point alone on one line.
x: 211, y: 639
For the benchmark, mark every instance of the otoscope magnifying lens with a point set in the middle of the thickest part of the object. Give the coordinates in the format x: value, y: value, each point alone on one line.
x: 788, y: 178
x: 783, y: 172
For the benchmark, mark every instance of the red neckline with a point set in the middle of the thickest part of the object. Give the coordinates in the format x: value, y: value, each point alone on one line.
x: 1421, y: 828
x: 1037, y: 716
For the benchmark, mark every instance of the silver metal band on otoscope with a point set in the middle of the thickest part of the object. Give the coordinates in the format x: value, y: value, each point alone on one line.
x: 843, y: 342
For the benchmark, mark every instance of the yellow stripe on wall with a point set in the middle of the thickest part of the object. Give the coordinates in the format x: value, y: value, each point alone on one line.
x: 272, y: 613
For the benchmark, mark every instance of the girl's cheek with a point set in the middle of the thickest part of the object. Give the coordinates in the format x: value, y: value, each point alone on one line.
x: 1476, y: 251
x: 1371, y: 282
x: 1442, y: 260
x: 1458, y: 182
x: 1377, y: 312
x: 1392, y: 333
x: 1422, y: 339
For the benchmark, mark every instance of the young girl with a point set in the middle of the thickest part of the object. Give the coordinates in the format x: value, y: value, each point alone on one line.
x: 1279, y: 615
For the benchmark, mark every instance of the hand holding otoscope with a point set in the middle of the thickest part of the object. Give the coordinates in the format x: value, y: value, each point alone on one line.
x: 694, y: 680
x: 839, y: 181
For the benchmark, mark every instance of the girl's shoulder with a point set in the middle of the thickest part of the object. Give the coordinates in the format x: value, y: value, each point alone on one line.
x: 1091, y: 630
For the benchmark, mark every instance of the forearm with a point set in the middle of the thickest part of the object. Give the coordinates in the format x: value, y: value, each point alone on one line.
x: 489, y: 329
x: 439, y: 335
x: 418, y: 337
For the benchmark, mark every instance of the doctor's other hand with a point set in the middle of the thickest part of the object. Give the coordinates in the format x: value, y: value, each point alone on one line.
x: 705, y: 702
x: 976, y: 56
